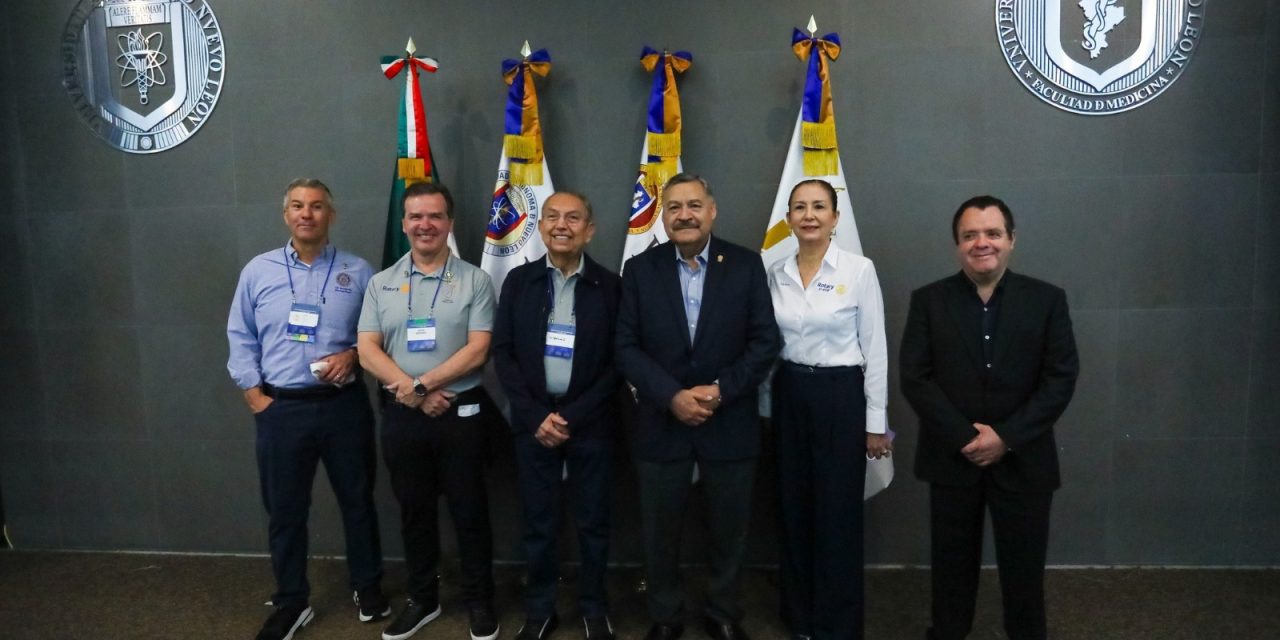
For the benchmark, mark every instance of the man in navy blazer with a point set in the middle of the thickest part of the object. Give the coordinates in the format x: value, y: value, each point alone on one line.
x: 988, y: 363
x: 553, y: 350
x: 696, y: 337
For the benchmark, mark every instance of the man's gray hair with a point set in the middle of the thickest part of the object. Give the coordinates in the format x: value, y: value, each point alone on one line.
x: 308, y: 183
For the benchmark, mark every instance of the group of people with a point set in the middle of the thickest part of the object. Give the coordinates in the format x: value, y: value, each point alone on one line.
x: 694, y: 327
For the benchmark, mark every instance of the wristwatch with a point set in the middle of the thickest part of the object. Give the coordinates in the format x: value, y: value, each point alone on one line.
x: 419, y: 389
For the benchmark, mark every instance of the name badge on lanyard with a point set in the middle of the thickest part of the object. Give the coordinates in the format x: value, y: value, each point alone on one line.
x: 560, y: 340
x: 304, y: 319
x: 421, y: 334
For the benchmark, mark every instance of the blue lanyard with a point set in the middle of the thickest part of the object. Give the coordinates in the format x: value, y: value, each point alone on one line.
x: 289, y: 271
x: 551, y: 296
x: 439, y: 281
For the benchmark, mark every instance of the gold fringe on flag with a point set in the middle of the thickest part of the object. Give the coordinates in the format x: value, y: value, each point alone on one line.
x: 821, y: 162
x: 656, y: 174
x: 664, y: 144
x: 412, y: 169
x: 525, y: 173
x: 818, y: 135
x: 524, y: 147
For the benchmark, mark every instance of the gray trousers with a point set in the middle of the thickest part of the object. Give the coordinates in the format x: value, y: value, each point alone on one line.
x: 664, y: 496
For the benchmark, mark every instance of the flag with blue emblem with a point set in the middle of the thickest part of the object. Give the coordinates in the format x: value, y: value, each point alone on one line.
x: 524, y: 182
x: 814, y: 151
x: 660, y: 153
x: 413, y: 149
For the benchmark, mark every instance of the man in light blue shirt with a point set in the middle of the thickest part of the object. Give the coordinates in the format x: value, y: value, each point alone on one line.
x: 292, y: 335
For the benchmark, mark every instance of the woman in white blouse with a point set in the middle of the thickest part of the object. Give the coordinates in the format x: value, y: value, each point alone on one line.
x: 829, y: 395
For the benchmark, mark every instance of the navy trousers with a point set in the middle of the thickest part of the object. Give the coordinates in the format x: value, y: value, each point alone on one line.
x: 446, y: 455
x: 542, y: 493
x: 819, y: 417
x: 292, y: 437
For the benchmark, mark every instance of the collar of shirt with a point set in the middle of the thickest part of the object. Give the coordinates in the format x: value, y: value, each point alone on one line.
x: 830, y: 263
x: 295, y: 261
x: 702, y: 255
x: 577, y: 271
x: 408, y: 267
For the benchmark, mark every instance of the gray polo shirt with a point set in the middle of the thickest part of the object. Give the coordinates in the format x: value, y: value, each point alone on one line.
x: 465, y: 303
x: 559, y: 370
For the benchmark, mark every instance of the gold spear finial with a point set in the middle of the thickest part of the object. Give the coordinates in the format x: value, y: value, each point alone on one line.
x: 525, y: 50
x: 813, y: 26
x: 409, y: 48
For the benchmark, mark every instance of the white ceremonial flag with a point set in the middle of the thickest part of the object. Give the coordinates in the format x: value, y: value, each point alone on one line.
x: 644, y: 228
x: 511, y: 237
x: 778, y: 241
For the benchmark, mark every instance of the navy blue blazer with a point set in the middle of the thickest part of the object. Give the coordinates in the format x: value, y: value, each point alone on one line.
x: 1032, y: 379
x: 735, y: 342
x: 519, y: 341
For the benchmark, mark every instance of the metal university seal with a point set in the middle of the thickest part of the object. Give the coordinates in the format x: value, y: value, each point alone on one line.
x: 1097, y: 57
x: 143, y: 74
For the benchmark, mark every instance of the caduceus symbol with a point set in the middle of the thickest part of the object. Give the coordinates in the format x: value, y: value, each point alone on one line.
x: 1102, y: 16
x: 139, y: 62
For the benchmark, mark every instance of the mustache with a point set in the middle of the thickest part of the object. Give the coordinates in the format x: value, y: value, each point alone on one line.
x: 684, y: 224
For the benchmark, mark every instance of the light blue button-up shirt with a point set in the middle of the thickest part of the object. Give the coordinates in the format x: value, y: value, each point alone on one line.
x: 260, y: 350
x: 691, y: 284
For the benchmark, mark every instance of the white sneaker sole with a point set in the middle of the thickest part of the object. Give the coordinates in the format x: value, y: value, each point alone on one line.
x: 303, y: 620
x: 422, y: 623
x: 380, y: 616
x: 492, y: 636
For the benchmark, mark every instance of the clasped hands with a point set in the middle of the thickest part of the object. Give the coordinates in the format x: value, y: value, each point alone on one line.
x: 986, y: 448
x: 693, y: 406
x: 435, y: 403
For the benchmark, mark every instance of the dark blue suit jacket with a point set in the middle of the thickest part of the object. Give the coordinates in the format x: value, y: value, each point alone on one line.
x: 1028, y: 387
x: 735, y: 342
x: 519, y: 341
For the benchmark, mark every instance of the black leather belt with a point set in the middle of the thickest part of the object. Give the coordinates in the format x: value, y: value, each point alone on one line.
x: 805, y: 368
x: 305, y: 393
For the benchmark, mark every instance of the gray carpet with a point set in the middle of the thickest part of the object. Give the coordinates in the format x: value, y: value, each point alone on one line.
x: 130, y: 596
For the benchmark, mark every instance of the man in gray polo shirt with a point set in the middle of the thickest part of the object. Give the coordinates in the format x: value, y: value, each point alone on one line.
x: 424, y: 332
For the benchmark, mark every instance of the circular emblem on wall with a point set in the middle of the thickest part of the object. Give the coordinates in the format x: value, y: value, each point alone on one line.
x: 513, y: 217
x: 143, y: 74
x: 1097, y: 57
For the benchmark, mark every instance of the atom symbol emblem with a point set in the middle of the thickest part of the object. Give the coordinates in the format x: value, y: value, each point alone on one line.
x: 140, y: 63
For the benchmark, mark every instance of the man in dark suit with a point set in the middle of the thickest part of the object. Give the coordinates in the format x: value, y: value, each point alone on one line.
x: 989, y: 364
x: 696, y: 336
x: 553, y: 350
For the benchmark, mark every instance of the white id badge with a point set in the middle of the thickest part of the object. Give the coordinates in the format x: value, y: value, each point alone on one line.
x: 560, y: 340
x: 304, y: 319
x: 421, y: 334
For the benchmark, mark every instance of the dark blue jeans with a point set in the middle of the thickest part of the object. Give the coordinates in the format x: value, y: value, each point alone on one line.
x: 541, y: 491
x: 293, y: 436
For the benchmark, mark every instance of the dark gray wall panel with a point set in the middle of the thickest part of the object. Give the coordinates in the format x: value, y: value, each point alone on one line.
x: 1179, y: 374
x: 1177, y: 238
x: 1175, y: 502
x: 187, y: 473
x: 31, y: 500
x: 1260, y: 513
x: 21, y: 387
x: 1264, y: 375
x: 107, y: 493
x: 186, y: 264
x: 92, y: 389
x: 184, y: 382
x: 73, y: 288
x: 1266, y: 290
x: 1079, y: 521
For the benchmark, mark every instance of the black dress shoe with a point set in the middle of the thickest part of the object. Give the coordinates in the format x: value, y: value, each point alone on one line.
x: 664, y: 632
x: 725, y: 630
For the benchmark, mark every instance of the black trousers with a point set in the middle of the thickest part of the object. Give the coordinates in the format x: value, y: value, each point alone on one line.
x: 664, y: 496
x: 542, y: 494
x: 820, y: 419
x: 1020, y: 524
x: 293, y: 436
x: 427, y: 457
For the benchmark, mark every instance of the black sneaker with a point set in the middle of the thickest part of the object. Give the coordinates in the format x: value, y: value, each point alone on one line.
x: 372, y: 605
x: 284, y: 621
x: 414, y: 617
x: 484, y: 626
x: 598, y: 628
x: 535, y: 628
